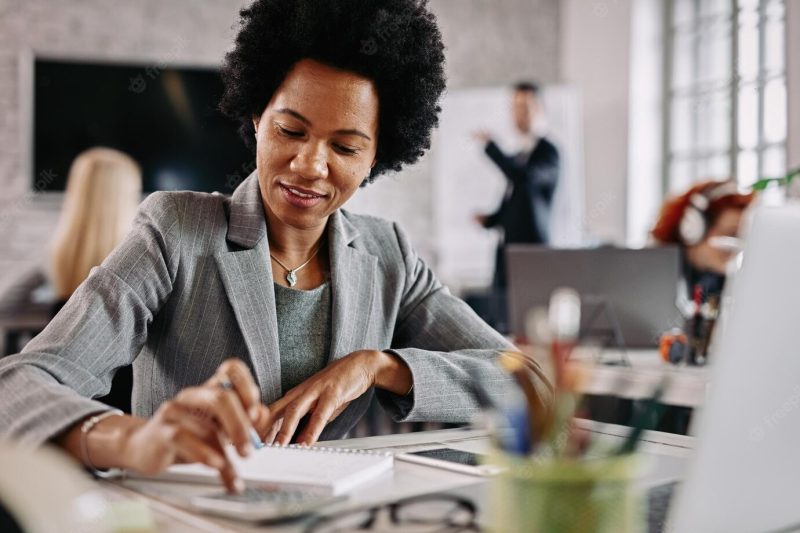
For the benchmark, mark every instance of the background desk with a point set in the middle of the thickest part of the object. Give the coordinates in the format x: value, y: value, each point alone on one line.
x: 635, y: 374
x: 687, y: 385
x: 22, y: 315
x: 668, y: 452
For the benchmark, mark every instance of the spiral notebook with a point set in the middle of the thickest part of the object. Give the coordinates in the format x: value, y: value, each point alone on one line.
x: 323, y: 470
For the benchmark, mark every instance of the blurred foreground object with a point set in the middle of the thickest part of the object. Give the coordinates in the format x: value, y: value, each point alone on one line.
x: 45, y: 492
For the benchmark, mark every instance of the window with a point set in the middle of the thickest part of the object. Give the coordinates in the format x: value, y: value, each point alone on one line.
x: 726, y: 111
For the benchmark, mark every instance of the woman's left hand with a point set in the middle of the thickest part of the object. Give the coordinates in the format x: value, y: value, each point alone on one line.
x: 327, y: 393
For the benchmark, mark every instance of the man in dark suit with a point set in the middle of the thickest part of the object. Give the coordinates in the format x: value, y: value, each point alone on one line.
x: 532, y: 174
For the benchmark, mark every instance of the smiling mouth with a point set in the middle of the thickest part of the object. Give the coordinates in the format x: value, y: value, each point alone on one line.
x: 301, y: 198
x: 302, y: 193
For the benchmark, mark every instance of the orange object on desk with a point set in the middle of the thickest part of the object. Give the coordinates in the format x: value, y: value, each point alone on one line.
x: 669, y: 343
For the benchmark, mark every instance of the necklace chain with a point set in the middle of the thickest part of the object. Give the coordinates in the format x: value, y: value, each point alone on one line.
x: 291, y: 273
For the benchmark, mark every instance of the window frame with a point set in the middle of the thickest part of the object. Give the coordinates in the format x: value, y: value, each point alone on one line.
x: 731, y: 86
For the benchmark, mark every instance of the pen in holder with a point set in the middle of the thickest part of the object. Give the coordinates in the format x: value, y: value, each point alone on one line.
x: 551, y: 495
x: 552, y: 478
x: 700, y: 327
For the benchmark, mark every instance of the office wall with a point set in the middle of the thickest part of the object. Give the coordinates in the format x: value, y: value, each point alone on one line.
x: 793, y: 73
x: 151, y: 32
x: 490, y: 42
x: 595, y: 57
x: 645, y: 162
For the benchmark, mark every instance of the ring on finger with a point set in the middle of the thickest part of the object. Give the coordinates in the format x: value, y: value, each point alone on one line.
x: 225, y: 383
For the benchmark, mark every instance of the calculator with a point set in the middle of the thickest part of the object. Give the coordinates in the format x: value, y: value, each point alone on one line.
x: 262, y: 504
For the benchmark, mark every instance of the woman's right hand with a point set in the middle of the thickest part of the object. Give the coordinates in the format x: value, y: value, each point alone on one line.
x: 194, y: 426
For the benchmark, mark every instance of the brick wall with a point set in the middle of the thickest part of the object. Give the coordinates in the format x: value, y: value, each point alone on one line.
x: 489, y: 42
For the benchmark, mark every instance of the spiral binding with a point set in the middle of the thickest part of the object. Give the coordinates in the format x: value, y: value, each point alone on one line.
x: 329, y: 449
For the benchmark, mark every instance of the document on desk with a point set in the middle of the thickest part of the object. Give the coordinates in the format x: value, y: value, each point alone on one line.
x: 322, y: 470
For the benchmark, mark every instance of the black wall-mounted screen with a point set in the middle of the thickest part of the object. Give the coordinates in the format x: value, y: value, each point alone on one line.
x: 164, y: 117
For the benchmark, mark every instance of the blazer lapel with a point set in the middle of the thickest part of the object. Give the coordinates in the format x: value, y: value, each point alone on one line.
x: 247, y: 278
x: 353, y: 274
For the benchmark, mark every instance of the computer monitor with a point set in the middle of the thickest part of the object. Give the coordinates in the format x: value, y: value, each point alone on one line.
x: 745, y: 471
x: 628, y: 297
x: 164, y: 116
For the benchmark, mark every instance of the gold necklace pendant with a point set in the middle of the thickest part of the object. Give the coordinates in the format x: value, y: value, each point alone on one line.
x: 291, y: 277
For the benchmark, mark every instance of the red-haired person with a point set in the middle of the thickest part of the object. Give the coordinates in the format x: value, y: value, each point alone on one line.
x: 703, y: 221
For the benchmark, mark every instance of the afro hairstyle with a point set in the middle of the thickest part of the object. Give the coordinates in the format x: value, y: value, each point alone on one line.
x: 394, y: 43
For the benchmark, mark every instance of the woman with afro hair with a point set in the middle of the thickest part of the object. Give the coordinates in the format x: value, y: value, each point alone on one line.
x: 273, y: 315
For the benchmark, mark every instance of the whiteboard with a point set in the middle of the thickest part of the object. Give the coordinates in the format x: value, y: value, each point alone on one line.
x: 466, y: 182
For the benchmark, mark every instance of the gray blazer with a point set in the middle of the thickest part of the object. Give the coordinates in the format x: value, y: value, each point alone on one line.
x: 191, y: 285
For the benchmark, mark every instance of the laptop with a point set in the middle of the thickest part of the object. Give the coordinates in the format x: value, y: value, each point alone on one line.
x: 745, y: 473
x: 627, y: 296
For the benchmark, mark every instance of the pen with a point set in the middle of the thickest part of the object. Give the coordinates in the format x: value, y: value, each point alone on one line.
x: 520, y: 438
x: 646, y: 418
x: 488, y: 410
x: 536, y: 412
x: 579, y: 440
x: 255, y: 440
x: 697, y: 322
x: 494, y: 417
x: 564, y: 318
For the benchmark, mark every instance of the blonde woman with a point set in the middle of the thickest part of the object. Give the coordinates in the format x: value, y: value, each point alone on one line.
x: 104, y: 187
x: 103, y: 191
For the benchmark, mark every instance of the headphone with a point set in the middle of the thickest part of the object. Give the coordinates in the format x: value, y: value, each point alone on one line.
x: 695, y: 220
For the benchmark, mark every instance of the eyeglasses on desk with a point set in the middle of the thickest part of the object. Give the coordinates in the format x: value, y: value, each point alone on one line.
x: 435, y: 513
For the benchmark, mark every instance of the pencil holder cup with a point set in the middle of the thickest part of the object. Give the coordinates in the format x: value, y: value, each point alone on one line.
x: 547, y: 495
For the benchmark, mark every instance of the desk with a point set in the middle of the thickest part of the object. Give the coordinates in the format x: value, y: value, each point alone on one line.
x: 686, y: 388
x: 20, y: 315
x: 668, y: 452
